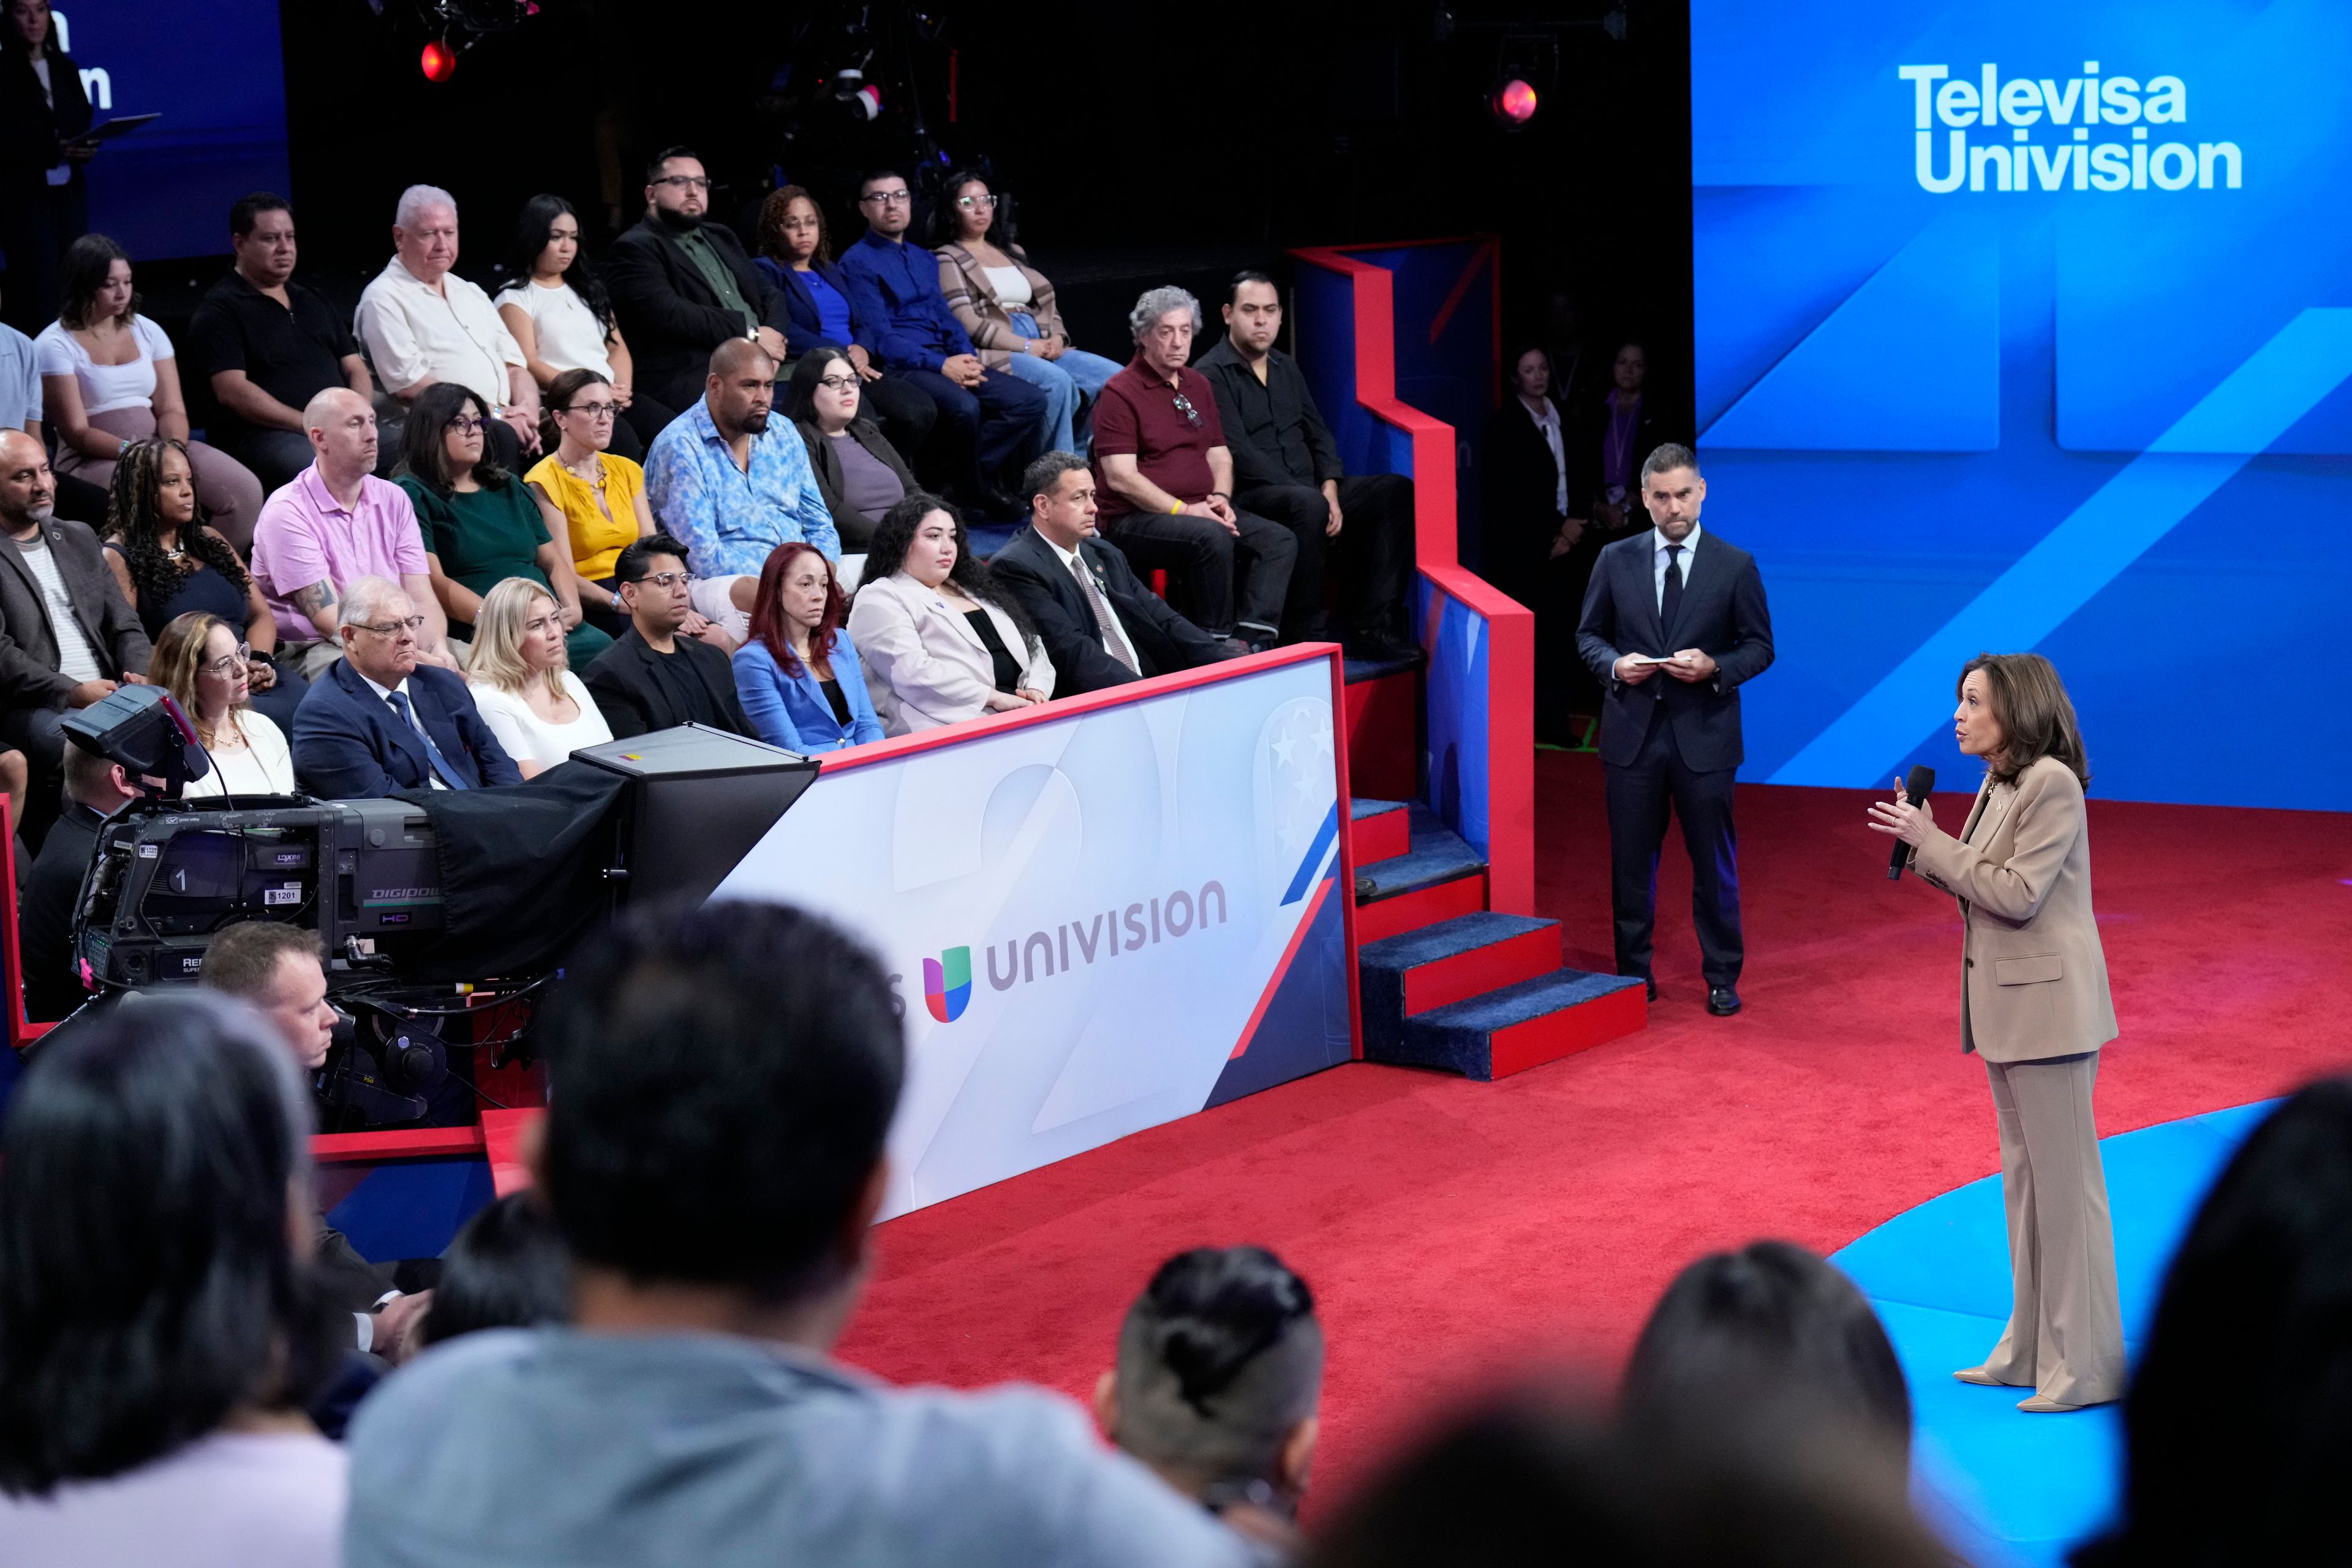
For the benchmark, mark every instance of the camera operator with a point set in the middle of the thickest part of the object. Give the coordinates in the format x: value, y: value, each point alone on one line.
x: 94, y: 789
x: 277, y: 968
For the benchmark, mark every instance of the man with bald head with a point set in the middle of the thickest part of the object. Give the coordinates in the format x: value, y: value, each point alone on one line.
x: 335, y: 524
x: 731, y: 481
x: 68, y: 638
x: 423, y: 324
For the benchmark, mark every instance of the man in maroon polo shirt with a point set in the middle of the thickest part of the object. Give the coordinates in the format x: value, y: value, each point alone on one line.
x: 1165, y: 483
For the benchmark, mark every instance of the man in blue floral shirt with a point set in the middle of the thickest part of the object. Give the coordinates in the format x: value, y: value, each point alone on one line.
x: 731, y: 486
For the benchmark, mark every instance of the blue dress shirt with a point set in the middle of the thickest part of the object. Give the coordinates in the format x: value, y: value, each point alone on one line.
x: 731, y: 520
x: 893, y: 286
x: 791, y: 710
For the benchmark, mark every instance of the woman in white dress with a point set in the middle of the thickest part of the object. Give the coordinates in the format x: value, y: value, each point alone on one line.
x: 561, y: 318
x: 202, y: 660
x: 522, y: 683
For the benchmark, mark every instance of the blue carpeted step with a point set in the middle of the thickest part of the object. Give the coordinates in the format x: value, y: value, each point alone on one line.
x: 1358, y: 670
x: 1378, y: 829
x: 1438, y: 854
x: 1520, y: 1026
x: 1453, y: 961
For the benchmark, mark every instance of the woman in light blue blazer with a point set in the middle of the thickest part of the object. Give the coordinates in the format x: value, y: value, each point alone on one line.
x: 798, y: 672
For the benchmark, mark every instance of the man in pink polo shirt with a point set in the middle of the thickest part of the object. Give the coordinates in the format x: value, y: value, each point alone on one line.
x: 336, y: 524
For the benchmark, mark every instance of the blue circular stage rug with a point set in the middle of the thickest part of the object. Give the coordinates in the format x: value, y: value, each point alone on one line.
x: 2013, y: 1490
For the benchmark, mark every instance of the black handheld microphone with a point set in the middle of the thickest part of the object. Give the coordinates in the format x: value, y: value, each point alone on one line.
x: 1922, y: 781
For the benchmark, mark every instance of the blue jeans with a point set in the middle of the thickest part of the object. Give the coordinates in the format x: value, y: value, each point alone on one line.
x: 1070, y: 384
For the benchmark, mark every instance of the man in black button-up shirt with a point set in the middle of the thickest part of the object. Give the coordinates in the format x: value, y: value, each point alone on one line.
x: 1286, y: 467
x: 269, y: 346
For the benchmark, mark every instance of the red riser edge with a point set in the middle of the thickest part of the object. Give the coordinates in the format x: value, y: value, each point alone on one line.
x: 1384, y: 737
x: 1556, y: 1035
x: 1463, y: 975
x: 1422, y: 907
x: 1381, y: 837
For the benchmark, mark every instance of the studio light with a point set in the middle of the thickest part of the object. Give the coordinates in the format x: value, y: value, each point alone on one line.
x: 1514, y: 104
x: 439, y: 61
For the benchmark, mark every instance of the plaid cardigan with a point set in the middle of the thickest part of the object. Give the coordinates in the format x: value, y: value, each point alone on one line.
x: 975, y: 304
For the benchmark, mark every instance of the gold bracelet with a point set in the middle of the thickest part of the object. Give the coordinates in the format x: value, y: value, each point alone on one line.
x: 1175, y: 509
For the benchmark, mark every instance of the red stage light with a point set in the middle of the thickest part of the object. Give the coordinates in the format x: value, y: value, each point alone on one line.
x: 1515, y: 103
x: 439, y: 61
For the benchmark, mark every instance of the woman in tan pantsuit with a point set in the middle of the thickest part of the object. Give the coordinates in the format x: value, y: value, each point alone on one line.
x: 2035, y: 1005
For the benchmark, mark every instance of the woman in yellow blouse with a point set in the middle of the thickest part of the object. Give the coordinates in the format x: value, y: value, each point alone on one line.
x: 587, y: 495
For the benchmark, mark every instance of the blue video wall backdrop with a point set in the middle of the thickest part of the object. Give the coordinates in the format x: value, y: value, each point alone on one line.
x: 214, y: 73
x: 2029, y: 326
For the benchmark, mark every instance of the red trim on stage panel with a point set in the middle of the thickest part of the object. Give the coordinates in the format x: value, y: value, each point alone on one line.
x: 413, y: 1143
x: 1347, y: 857
x: 1061, y: 708
x: 1282, y: 968
x: 1510, y: 737
x: 502, y: 1142
x: 20, y: 1032
x: 1432, y: 439
x: 1460, y: 293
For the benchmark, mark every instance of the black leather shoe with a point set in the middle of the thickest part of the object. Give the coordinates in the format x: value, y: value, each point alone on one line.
x: 1653, y: 987
x: 1723, y: 1001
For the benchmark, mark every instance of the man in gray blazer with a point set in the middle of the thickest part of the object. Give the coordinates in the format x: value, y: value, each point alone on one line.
x: 1675, y: 621
x: 68, y: 638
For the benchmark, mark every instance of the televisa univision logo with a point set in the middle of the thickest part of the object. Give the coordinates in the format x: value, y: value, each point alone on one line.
x: 947, y: 984
x: 947, y: 979
x: 2048, y: 125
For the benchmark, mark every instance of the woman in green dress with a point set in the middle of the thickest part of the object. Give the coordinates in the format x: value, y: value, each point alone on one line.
x: 480, y: 522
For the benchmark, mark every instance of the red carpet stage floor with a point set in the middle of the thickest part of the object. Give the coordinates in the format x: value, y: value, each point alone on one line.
x: 1451, y: 1230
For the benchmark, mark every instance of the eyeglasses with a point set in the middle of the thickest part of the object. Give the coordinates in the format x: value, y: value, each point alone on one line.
x: 412, y: 625
x: 466, y: 425
x: 1184, y: 406
x: 838, y: 382
x: 662, y: 579
x: 685, y: 182
x: 226, y: 668
x: 593, y: 410
x: 888, y: 199
x: 967, y: 203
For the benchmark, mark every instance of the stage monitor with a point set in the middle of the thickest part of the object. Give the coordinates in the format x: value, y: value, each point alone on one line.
x: 700, y: 798
x: 214, y: 75
x: 2024, y: 326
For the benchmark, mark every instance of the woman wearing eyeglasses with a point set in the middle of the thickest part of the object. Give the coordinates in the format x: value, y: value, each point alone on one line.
x: 859, y: 473
x: 203, y: 661
x: 591, y: 500
x: 1006, y: 307
x: 167, y: 562
x: 481, y: 523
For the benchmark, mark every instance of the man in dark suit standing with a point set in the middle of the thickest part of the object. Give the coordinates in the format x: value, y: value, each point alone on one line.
x: 1100, y: 625
x: 378, y: 721
x: 654, y: 677
x: 1674, y: 742
x: 681, y: 285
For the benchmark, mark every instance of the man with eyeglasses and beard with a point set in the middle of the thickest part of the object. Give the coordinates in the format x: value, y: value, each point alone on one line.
x: 1164, y: 479
x: 681, y: 284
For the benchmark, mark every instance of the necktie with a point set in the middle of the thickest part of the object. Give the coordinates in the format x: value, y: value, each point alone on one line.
x: 1113, y: 644
x: 1670, y: 603
x: 447, y: 775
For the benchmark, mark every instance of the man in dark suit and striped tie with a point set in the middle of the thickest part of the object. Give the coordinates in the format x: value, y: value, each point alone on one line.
x: 1675, y: 621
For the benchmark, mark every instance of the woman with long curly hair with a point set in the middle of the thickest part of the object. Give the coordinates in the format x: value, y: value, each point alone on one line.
x: 941, y: 639
x: 169, y: 561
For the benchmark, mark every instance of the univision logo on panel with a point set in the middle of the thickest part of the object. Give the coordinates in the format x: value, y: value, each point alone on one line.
x: 2044, y: 134
x: 947, y: 979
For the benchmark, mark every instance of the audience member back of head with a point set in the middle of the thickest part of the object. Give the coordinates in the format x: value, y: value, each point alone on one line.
x: 1530, y: 1480
x: 2238, y: 1427
x: 158, y: 1332
x: 713, y: 1160
x: 1767, y: 1342
x: 507, y: 1270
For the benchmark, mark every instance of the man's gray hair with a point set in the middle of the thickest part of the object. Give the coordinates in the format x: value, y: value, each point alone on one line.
x: 1158, y: 303
x: 1040, y: 477
x: 418, y: 200
x: 363, y: 597
x: 1666, y: 458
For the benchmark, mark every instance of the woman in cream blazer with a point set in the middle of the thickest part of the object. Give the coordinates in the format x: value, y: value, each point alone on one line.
x: 2034, y: 1005
x: 926, y: 663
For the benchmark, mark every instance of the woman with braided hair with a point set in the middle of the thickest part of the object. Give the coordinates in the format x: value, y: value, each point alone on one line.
x: 167, y: 561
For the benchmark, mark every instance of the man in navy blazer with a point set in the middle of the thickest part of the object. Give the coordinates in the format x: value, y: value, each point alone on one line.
x: 378, y: 721
x: 1675, y: 621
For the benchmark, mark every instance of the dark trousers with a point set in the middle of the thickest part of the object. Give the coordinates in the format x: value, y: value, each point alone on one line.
x: 1218, y: 581
x: 1639, y: 796
x: 276, y: 457
x: 78, y: 501
x: 1372, y: 557
x: 981, y: 430
x: 634, y: 431
x: 905, y: 412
